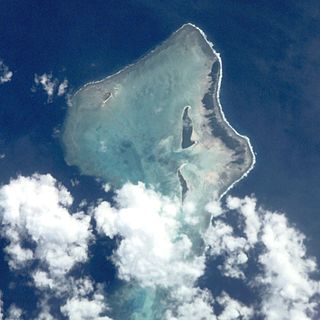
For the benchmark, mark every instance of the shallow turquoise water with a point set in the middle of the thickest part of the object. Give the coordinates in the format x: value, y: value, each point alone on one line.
x: 130, y: 127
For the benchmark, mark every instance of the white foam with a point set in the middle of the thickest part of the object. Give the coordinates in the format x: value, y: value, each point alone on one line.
x: 217, y: 55
x: 211, y: 45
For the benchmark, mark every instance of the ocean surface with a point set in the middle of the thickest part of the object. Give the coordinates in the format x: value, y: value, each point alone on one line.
x: 271, y: 74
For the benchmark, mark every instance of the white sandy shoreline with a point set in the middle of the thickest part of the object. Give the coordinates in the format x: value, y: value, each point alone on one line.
x: 211, y: 45
x: 217, y: 55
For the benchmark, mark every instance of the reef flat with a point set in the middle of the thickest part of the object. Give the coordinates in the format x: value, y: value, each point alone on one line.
x: 159, y: 121
x: 138, y: 124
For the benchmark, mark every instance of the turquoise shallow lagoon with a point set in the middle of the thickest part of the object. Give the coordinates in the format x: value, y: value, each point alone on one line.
x: 159, y: 122
x: 269, y: 91
x: 130, y: 126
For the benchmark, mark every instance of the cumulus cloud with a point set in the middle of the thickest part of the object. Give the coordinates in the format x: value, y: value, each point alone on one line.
x: 290, y: 291
x: 50, y: 85
x: 286, y: 284
x: 233, y: 309
x: 44, y: 313
x: 151, y: 250
x: 155, y: 251
x: 5, y: 74
x: 82, y: 299
x: 193, y: 304
x: 253, y: 221
x: 14, y: 313
x: 39, y: 227
x: 221, y: 241
x: 35, y: 210
x: 86, y: 302
x: 63, y: 86
x: 47, y: 83
x: 78, y: 308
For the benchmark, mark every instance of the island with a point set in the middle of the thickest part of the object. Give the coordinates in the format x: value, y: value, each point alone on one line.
x: 159, y: 121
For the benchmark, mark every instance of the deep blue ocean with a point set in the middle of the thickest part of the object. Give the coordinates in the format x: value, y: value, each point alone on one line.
x: 270, y: 92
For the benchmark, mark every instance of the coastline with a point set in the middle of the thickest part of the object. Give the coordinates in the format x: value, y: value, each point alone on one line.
x: 216, y: 95
x: 217, y: 54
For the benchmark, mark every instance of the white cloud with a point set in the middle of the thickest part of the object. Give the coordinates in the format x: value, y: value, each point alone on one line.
x: 63, y: 86
x: 14, y: 313
x: 51, y: 85
x: 221, y: 241
x: 5, y: 73
x: 285, y: 282
x: 247, y: 207
x: 81, y: 297
x: 86, y: 302
x: 233, y: 309
x: 74, y: 182
x: 154, y: 250
x: 48, y: 84
x: 42, y: 280
x: 44, y: 313
x: 197, y: 304
x: 19, y: 256
x: 106, y: 187
x: 151, y: 250
x: 214, y: 208
x: 289, y: 292
x: 78, y: 308
x: 36, y: 209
